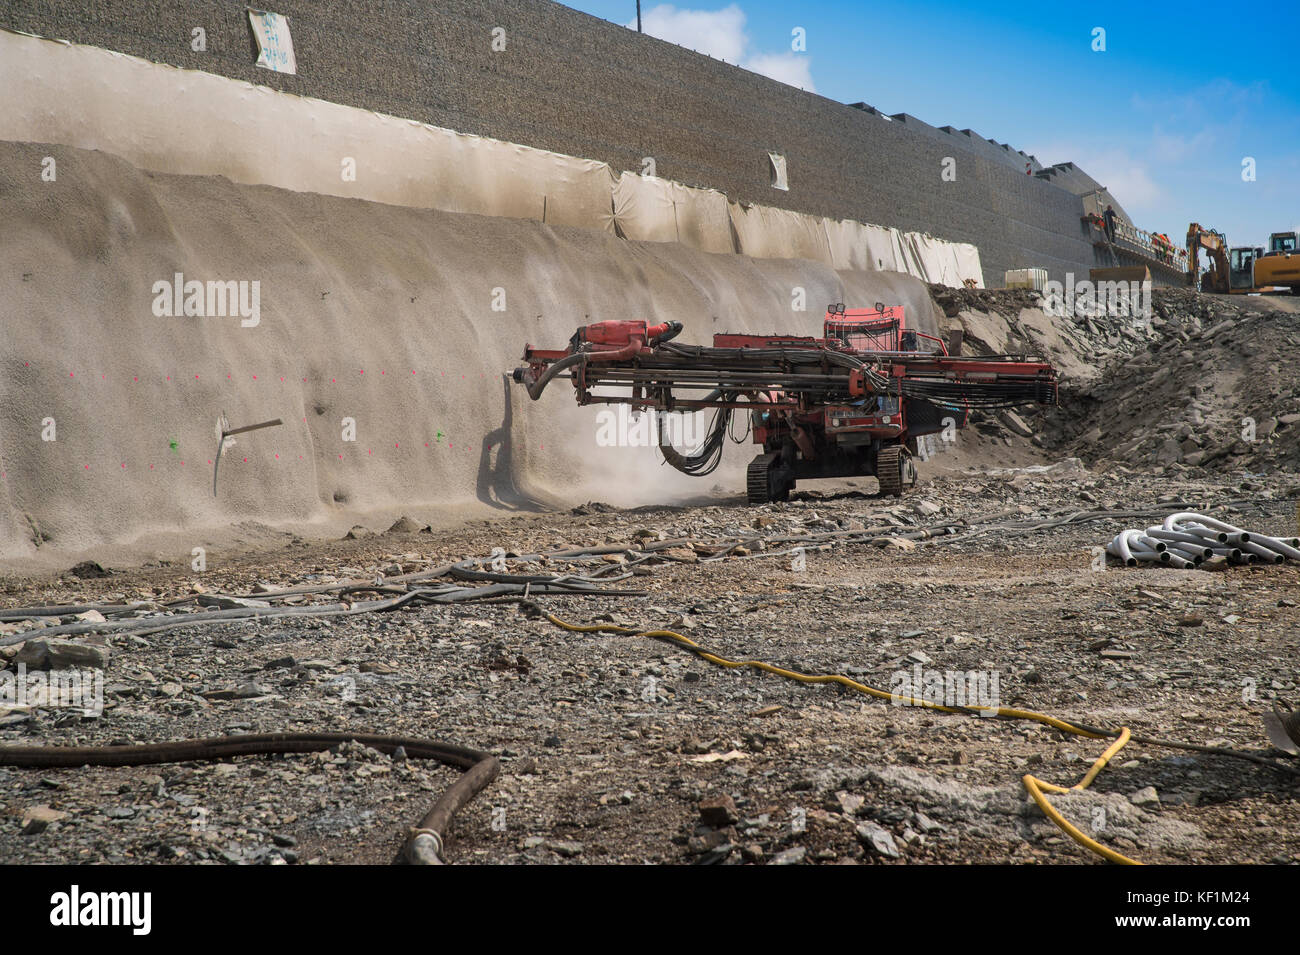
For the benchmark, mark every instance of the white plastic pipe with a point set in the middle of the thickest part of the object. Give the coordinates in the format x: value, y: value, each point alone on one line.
x: 1118, y: 547
x: 1278, y: 545
x: 1232, y: 553
x: 1150, y: 543
x: 1183, y: 517
x: 1208, y: 533
x: 1187, y: 539
x: 1186, y: 552
x: 1263, y: 553
x: 1130, y: 547
x: 1194, y: 542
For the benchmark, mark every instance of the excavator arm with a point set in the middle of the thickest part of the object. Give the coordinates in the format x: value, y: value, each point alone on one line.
x: 1216, y: 247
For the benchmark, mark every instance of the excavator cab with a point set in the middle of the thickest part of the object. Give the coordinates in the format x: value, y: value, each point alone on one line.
x: 1241, y: 267
x: 1280, y: 243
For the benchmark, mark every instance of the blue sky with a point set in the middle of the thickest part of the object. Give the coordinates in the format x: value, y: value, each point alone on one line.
x: 1164, y: 116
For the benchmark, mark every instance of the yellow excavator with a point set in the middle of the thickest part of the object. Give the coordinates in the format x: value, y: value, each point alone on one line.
x: 1280, y: 265
x: 1243, y: 269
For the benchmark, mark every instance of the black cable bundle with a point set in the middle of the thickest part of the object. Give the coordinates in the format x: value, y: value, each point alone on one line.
x: 989, y: 395
x: 706, y: 460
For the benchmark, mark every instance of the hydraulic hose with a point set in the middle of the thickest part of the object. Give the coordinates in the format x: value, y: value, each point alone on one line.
x: 1034, y: 786
x: 424, y: 843
x: 709, y: 455
x: 564, y: 364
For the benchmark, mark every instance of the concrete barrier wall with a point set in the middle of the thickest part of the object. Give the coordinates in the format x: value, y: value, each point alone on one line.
x: 576, y: 85
x: 166, y: 119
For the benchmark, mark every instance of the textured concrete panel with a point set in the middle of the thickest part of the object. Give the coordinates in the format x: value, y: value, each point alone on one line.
x: 579, y: 85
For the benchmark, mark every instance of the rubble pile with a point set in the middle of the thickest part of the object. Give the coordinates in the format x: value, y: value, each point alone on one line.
x: 1201, y: 382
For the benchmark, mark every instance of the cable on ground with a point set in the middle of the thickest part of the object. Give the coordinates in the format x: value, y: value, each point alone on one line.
x: 1034, y: 786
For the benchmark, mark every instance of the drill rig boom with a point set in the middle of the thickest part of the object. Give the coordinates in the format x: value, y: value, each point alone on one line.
x: 853, y: 402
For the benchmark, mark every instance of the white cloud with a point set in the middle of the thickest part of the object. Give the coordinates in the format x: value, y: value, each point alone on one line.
x: 1123, y: 175
x: 1175, y: 148
x: 791, y: 68
x: 721, y: 34
x: 718, y: 33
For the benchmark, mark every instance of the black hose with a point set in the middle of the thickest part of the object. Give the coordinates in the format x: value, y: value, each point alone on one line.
x: 564, y: 364
x: 987, y: 395
x: 480, y: 768
x: 705, y: 460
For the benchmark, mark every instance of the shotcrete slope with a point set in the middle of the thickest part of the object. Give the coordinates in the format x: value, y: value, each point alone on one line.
x: 379, y: 314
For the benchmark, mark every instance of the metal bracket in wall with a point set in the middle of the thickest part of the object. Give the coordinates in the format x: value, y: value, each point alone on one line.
x: 225, y: 432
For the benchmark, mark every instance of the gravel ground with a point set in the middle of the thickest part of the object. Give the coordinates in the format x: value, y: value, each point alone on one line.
x: 627, y: 749
x: 623, y: 748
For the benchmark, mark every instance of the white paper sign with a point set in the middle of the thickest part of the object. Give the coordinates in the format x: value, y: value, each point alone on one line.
x: 274, y: 44
x: 778, y: 172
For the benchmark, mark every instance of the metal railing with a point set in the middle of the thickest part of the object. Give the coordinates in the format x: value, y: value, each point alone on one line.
x: 1137, y: 240
x: 1145, y: 243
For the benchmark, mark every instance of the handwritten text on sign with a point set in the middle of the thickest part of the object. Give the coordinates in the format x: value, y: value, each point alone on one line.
x: 274, y: 44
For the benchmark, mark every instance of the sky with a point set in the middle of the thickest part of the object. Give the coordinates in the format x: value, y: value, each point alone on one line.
x: 1166, y: 115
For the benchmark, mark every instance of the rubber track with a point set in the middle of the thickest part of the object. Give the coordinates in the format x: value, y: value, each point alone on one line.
x: 758, y: 479
x: 889, y: 470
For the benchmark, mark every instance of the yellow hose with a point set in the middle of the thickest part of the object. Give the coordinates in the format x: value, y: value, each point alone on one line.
x: 1036, y: 787
x: 1033, y: 785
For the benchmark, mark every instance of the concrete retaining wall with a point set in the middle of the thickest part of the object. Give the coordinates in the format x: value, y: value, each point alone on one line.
x: 578, y: 85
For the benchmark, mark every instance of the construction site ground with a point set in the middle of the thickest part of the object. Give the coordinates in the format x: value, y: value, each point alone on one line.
x: 615, y: 748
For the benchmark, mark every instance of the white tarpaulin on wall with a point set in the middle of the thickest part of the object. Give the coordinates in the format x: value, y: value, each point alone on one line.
x: 779, y: 180
x: 885, y: 249
x: 934, y: 262
x: 768, y: 233
x: 188, y: 122
x: 856, y: 245
x: 941, y: 262
x: 847, y: 240
x: 968, y: 263
x: 183, y: 121
x: 661, y: 210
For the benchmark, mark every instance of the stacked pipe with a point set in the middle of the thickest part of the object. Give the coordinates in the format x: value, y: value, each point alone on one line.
x: 1187, y: 539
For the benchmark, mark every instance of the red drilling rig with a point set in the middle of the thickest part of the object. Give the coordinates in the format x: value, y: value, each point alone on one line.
x: 851, y: 403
